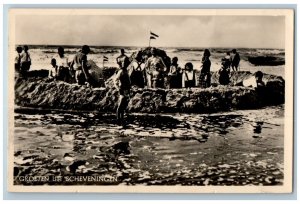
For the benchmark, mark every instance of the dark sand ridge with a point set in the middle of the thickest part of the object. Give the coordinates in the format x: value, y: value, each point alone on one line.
x: 39, y: 93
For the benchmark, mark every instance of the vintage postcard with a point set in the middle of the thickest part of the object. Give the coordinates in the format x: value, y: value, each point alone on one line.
x: 151, y: 100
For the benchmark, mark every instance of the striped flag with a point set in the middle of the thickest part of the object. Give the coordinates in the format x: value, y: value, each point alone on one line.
x: 153, y: 35
x: 105, y: 59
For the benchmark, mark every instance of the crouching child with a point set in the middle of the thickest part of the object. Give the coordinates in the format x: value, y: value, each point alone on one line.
x: 224, y: 78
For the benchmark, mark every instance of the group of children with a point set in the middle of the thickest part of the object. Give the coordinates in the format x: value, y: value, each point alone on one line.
x: 75, y: 71
x: 229, y: 61
x: 22, y: 60
x: 186, y: 78
x: 157, y: 75
x: 60, y: 67
x: 155, y: 72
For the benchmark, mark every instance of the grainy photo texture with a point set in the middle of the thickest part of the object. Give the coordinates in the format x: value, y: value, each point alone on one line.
x: 151, y: 100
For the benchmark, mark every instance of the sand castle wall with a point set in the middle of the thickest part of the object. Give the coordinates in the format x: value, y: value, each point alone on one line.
x: 40, y: 93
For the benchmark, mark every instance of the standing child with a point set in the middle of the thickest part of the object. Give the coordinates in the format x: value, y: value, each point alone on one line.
x: 151, y: 65
x: 123, y: 60
x: 54, y: 70
x: 173, y: 73
x: 157, y: 78
x: 235, y: 60
x: 123, y: 85
x: 25, y: 59
x: 62, y: 62
x: 205, y: 70
x: 227, y: 60
x: 188, y: 76
x: 18, y: 59
x: 79, y: 64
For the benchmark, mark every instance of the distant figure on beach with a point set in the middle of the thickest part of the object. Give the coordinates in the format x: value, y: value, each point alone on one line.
x: 152, y: 64
x: 123, y: 60
x: 189, y: 76
x: 53, y: 72
x: 235, y: 60
x: 18, y: 59
x: 123, y: 85
x: 205, y: 76
x: 25, y: 59
x: 224, y: 72
x: 175, y: 75
x: 62, y: 62
x: 79, y: 64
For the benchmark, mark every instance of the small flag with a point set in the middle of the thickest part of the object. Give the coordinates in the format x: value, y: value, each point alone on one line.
x: 153, y: 34
x: 151, y: 37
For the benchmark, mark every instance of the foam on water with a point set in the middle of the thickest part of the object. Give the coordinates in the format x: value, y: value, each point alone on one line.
x: 231, y: 148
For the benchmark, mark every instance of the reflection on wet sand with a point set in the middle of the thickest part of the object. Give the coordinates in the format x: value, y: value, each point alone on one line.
x: 234, y: 148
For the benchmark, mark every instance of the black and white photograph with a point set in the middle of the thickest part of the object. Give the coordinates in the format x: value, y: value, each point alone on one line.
x: 151, y: 100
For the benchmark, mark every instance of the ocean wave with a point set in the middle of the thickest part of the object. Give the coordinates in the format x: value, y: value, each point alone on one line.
x: 188, y: 50
x: 271, y: 51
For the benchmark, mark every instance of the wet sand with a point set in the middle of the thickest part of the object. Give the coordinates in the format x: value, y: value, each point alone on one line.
x: 231, y: 148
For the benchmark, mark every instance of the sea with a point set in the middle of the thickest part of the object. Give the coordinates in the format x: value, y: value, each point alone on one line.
x: 238, y: 148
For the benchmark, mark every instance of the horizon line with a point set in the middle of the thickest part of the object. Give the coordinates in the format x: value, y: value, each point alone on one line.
x: 76, y: 45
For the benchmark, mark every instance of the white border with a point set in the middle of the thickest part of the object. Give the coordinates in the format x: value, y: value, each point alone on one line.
x: 288, y: 140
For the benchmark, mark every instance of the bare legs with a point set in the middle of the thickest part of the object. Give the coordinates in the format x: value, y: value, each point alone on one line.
x: 122, y: 105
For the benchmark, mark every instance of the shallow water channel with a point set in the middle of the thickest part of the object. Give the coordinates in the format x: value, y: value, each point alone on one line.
x: 231, y: 148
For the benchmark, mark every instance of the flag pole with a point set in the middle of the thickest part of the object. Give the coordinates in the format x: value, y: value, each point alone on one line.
x: 150, y: 39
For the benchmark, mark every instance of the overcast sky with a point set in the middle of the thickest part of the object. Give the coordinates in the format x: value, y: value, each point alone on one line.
x: 173, y: 31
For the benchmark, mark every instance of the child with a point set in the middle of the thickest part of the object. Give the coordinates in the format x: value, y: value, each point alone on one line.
x: 174, y: 74
x: 18, y: 59
x: 227, y: 60
x: 123, y: 85
x: 188, y: 76
x: 235, y: 60
x: 53, y: 72
x: 224, y: 74
x: 25, y: 59
x: 254, y: 81
x: 259, y: 82
x: 205, y: 70
x: 79, y: 64
x: 157, y: 78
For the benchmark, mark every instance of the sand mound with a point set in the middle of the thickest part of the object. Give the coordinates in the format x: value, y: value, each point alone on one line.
x: 39, y: 93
